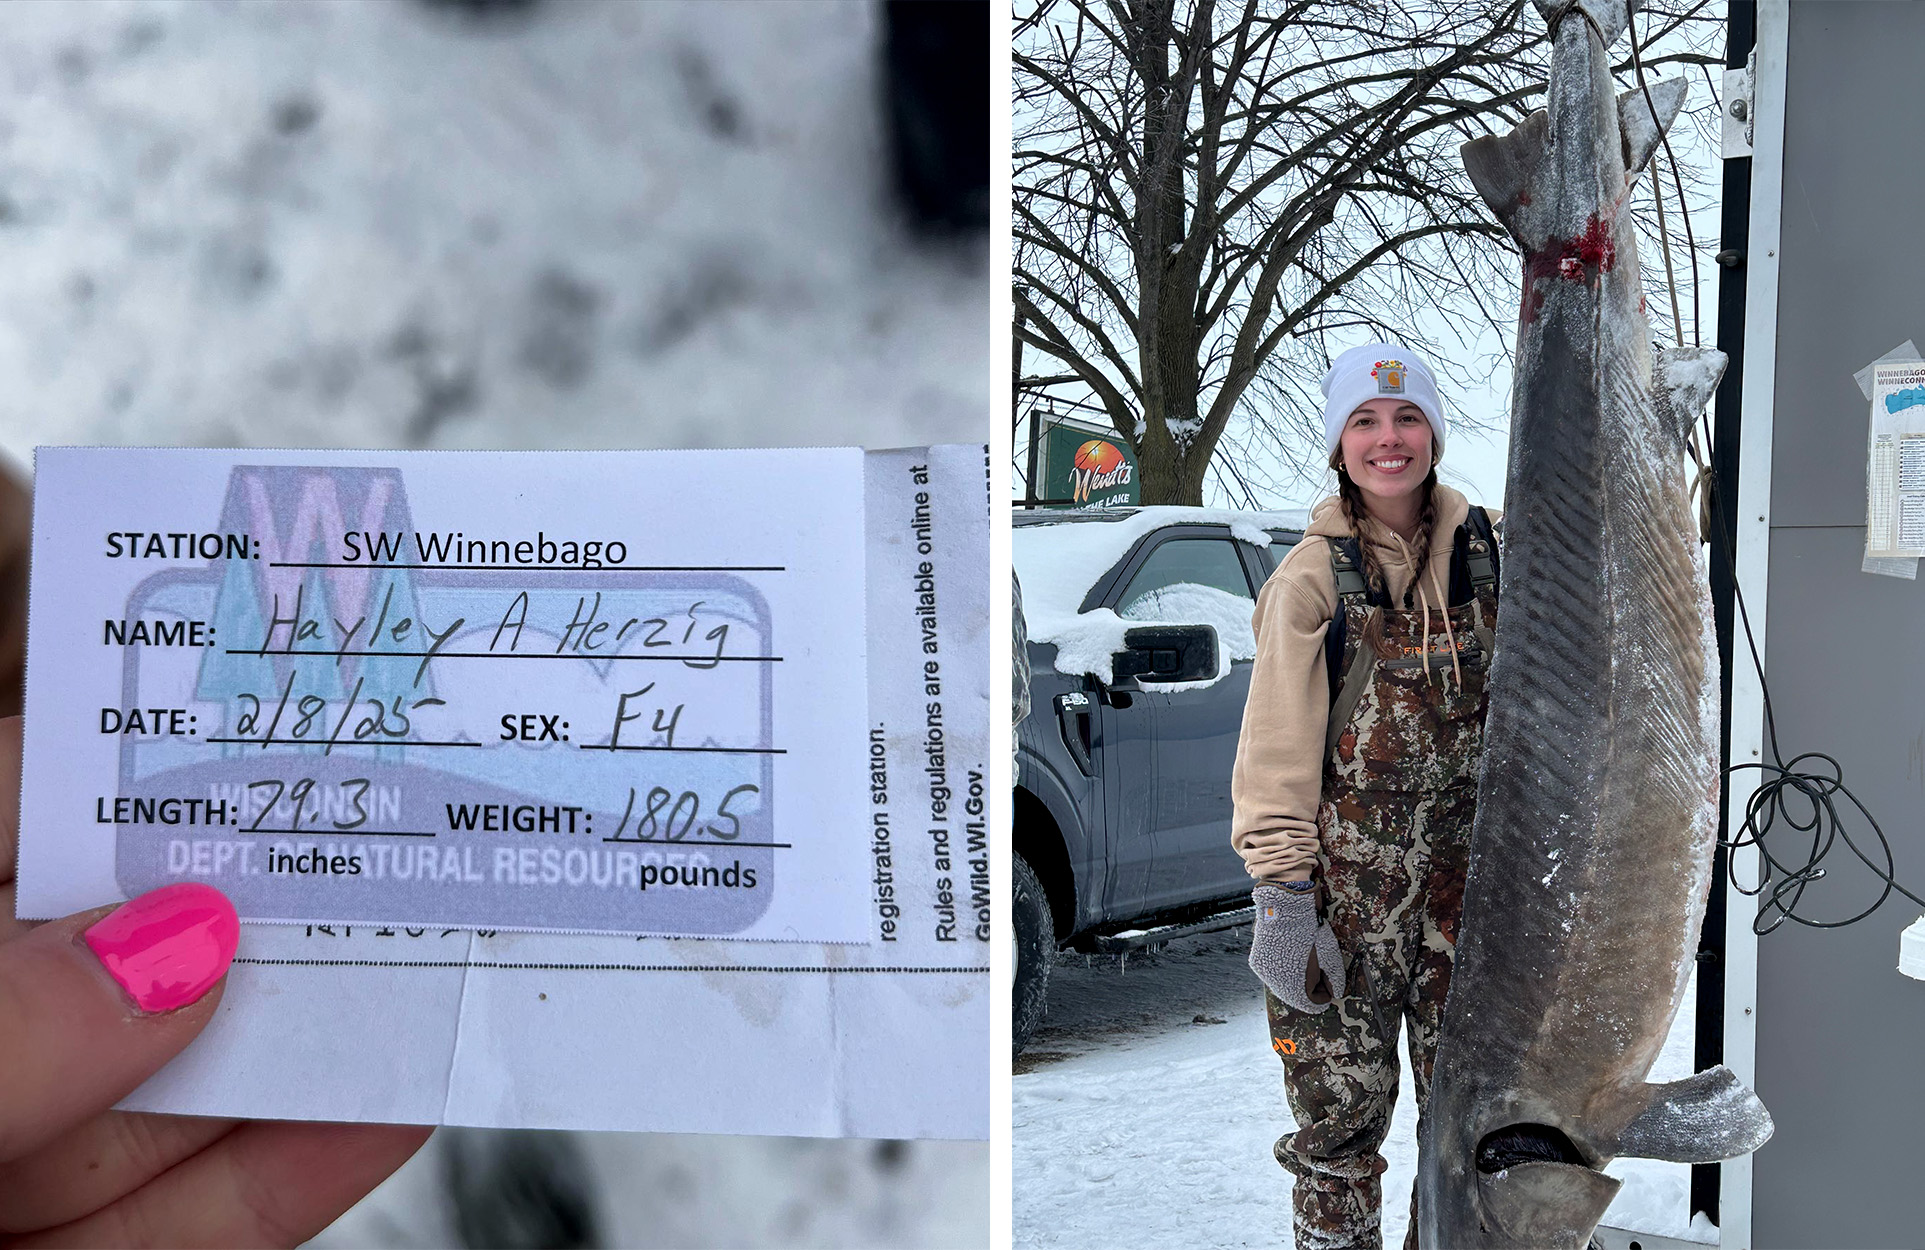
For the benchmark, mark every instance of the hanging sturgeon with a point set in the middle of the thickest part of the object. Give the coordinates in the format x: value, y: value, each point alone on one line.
x: 1597, y: 804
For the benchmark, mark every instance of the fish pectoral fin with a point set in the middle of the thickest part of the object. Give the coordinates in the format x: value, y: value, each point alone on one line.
x: 1682, y: 382
x: 1503, y: 168
x: 1701, y: 1119
x: 1642, y: 130
x: 1688, y: 375
x: 1554, y: 1205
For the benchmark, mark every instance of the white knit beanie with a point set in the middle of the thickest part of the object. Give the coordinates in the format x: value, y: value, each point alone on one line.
x: 1374, y: 370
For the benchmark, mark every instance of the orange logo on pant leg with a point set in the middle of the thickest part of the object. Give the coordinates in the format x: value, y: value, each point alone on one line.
x: 1283, y: 1046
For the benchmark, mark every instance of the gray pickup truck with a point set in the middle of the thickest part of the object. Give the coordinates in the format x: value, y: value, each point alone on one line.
x: 1140, y: 651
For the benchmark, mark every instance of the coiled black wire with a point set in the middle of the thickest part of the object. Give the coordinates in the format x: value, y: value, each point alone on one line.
x: 1798, y: 801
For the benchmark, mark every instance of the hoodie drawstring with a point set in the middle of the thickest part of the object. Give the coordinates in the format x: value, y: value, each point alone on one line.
x: 1423, y: 597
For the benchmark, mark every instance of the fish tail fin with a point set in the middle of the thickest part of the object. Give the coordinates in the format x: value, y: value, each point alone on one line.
x: 1682, y: 382
x: 1643, y: 122
x: 1504, y: 168
x: 1701, y: 1119
x: 1609, y: 16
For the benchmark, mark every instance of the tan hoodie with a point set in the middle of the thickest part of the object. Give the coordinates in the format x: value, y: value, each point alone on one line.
x: 1279, y: 770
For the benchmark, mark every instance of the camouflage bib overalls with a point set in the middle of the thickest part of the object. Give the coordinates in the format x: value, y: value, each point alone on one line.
x: 1399, y: 793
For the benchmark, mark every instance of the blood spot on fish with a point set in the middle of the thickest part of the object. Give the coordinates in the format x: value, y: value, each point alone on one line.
x: 1578, y: 259
x: 1595, y: 248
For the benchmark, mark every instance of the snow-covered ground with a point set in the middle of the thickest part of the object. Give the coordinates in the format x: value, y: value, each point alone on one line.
x: 584, y: 224
x: 386, y: 224
x: 682, y: 1192
x: 1147, y: 1106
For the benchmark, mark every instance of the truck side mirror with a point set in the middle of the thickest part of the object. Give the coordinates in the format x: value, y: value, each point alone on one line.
x: 1165, y: 653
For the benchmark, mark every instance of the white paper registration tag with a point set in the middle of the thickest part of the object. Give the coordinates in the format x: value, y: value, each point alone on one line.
x: 448, y: 1025
x: 609, y: 692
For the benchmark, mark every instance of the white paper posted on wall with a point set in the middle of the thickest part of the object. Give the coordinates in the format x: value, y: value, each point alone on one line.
x: 1895, y: 484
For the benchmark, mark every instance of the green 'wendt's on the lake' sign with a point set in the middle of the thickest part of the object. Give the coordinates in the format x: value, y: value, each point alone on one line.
x: 1087, y: 468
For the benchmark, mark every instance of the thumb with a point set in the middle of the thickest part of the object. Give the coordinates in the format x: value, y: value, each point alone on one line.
x: 92, y: 1005
x: 1330, y: 959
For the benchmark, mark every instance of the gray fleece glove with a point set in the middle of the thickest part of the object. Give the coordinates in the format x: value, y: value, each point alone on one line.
x: 1292, y: 953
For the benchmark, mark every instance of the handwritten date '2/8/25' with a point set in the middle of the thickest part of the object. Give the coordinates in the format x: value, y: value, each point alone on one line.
x: 304, y: 719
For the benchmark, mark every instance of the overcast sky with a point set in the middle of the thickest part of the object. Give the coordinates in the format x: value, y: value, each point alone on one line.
x: 1474, y: 461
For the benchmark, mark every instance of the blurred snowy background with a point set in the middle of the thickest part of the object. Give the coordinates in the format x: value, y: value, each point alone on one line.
x: 500, y: 224
x: 515, y: 223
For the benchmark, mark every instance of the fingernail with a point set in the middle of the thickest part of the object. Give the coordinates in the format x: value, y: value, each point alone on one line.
x: 169, y: 946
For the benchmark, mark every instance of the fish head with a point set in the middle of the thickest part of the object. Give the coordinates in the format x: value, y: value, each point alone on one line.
x: 1522, y: 1184
x: 1555, y: 1205
x: 1560, y: 178
x: 1560, y: 181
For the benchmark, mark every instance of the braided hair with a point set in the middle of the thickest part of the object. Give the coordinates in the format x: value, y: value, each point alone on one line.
x: 1351, y: 497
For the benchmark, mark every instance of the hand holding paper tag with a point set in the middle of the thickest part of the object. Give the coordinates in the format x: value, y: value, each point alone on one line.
x: 108, y: 997
x: 882, y: 1039
x: 449, y: 689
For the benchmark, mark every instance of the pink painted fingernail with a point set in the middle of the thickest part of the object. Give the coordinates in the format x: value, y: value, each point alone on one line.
x: 169, y: 946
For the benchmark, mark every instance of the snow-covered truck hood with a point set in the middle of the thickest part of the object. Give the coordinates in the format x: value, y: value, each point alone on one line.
x: 1058, y: 564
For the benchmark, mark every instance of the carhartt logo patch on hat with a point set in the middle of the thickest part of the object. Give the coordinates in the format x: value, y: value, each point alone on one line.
x: 1378, y: 371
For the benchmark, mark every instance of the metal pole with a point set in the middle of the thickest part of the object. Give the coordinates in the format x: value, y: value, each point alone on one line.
x: 1034, y: 444
x: 1016, y: 395
x: 1734, y: 239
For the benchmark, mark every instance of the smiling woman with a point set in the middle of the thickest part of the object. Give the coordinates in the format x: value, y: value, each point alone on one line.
x: 1356, y: 777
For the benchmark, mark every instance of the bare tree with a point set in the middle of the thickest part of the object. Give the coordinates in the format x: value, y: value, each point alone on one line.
x: 1204, y: 193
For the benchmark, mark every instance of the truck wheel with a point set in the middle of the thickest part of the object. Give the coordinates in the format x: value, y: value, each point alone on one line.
x: 1035, y: 951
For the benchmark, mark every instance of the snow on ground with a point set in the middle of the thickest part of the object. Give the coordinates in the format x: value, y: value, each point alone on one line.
x: 1147, y: 1106
x: 385, y: 224
x: 685, y: 1192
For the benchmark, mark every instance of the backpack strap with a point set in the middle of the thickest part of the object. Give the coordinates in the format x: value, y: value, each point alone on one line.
x: 1347, y: 570
x: 1347, y: 673
x: 1474, y: 572
x: 1347, y: 566
x: 1363, y: 663
x: 1473, y: 559
x: 1481, y: 555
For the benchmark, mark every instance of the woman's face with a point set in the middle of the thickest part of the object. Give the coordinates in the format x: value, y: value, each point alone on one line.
x: 1386, y: 447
